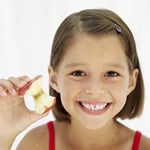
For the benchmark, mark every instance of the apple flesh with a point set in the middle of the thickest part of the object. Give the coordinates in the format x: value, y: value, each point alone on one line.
x: 42, y: 101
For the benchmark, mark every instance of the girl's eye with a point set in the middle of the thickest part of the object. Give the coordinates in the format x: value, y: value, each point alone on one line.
x: 78, y: 73
x: 111, y: 74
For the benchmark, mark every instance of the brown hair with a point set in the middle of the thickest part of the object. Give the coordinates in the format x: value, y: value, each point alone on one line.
x: 97, y: 22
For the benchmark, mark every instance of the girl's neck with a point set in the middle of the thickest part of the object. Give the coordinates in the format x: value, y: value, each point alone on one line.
x: 87, y: 138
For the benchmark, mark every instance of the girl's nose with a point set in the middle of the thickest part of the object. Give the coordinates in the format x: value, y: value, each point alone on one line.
x: 95, y: 88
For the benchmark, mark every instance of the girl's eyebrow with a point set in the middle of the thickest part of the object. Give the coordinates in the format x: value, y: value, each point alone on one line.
x: 74, y: 64
x: 115, y: 65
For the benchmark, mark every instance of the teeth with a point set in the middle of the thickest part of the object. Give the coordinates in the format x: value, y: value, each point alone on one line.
x: 94, y: 107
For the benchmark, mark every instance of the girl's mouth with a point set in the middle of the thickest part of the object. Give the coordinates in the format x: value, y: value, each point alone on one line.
x: 94, y: 107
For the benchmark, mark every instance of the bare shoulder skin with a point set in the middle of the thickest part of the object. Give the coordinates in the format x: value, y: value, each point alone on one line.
x: 144, y: 143
x: 37, y: 138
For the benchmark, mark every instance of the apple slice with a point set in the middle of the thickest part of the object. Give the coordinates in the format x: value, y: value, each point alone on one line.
x: 42, y: 101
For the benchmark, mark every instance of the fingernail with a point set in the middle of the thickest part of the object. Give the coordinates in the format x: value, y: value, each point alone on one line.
x: 3, y: 93
x: 13, y: 92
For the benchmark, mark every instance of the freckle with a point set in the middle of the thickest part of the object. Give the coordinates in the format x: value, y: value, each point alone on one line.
x: 112, y: 140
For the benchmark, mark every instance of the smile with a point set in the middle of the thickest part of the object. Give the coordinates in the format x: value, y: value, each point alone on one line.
x: 94, y: 108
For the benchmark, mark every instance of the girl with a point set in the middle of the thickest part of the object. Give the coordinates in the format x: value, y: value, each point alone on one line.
x: 96, y: 78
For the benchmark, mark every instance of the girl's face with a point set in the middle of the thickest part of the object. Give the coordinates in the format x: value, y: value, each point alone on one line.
x: 93, y: 79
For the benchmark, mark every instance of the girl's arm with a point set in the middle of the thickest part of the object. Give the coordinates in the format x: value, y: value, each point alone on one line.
x: 14, y: 116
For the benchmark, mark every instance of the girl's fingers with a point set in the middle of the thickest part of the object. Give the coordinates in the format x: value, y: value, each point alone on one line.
x: 12, y: 84
x: 19, y: 82
x: 24, y: 78
x: 6, y: 86
x: 3, y: 91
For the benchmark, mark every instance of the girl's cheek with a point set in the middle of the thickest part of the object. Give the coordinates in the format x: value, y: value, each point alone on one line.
x: 117, y: 90
x: 69, y: 88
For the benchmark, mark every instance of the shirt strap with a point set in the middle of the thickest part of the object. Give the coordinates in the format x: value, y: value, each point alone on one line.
x: 136, y: 140
x: 51, y: 135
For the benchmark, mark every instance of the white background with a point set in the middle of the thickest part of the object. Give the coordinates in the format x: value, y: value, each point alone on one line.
x: 27, y: 28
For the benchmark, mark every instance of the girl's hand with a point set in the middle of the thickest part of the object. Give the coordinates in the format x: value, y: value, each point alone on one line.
x: 14, y: 116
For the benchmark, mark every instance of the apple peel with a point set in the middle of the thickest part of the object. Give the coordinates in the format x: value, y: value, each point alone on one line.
x: 42, y: 101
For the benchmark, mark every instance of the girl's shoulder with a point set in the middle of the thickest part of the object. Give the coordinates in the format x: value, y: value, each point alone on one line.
x: 134, y: 138
x: 37, y: 138
x: 144, y: 143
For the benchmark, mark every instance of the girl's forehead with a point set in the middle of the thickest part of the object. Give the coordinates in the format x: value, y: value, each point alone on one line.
x: 99, y: 41
x: 105, y: 45
x: 106, y: 48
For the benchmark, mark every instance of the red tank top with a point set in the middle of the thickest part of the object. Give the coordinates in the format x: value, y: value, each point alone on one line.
x: 136, y: 140
x: 51, y: 135
x: 50, y: 125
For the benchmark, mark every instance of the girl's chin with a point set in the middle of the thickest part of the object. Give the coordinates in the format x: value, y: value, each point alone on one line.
x: 93, y: 124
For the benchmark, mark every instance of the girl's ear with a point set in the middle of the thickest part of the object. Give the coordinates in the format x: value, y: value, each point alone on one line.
x: 53, y: 78
x: 133, y: 80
